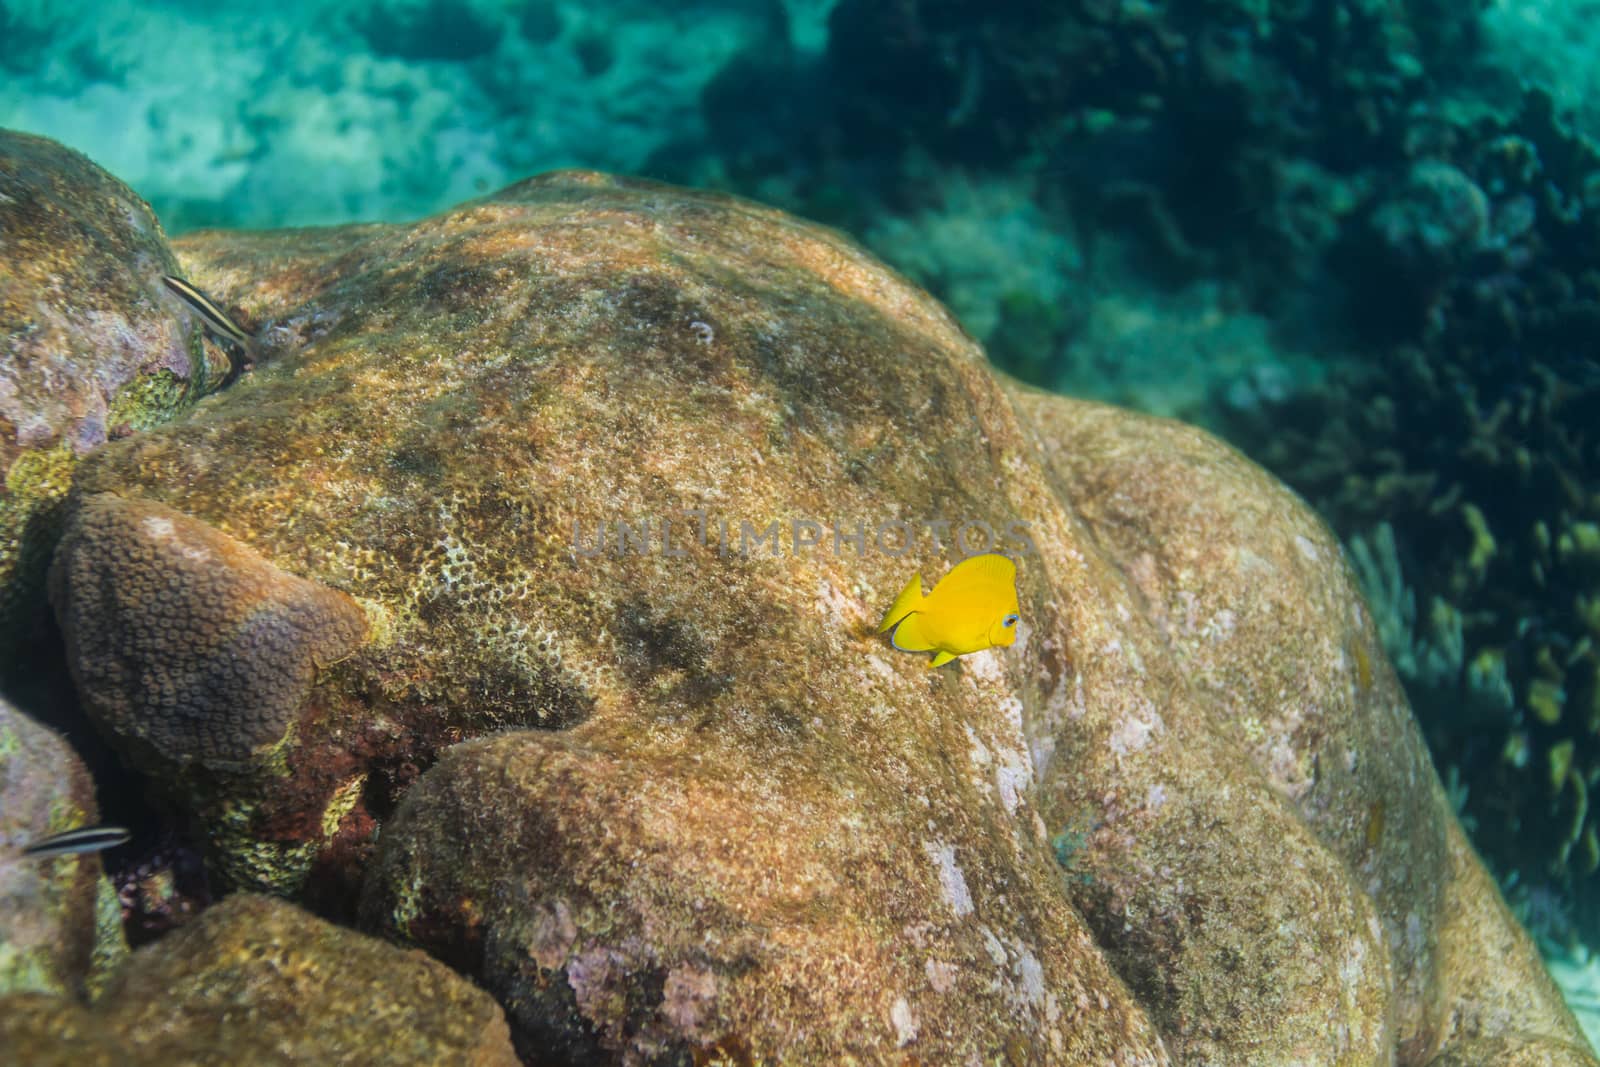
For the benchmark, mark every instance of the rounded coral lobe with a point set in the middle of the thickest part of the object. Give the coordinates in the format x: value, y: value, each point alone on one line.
x: 185, y: 642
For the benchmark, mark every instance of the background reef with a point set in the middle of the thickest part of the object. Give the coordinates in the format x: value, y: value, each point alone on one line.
x: 1358, y: 238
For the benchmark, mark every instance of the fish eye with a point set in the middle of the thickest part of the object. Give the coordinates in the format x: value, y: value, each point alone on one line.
x: 1009, y: 621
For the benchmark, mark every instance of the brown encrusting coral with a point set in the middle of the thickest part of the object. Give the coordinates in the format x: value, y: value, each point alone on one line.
x: 633, y: 469
x: 258, y: 981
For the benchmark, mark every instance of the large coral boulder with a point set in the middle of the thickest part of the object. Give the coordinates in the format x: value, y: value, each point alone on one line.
x: 622, y: 476
x: 258, y: 981
x: 91, y: 345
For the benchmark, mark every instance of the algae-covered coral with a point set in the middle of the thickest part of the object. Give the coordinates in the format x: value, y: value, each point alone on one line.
x: 711, y: 812
x: 1344, y: 218
x: 88, y: 348
x: 1410, y: 224
x: 256, y: 980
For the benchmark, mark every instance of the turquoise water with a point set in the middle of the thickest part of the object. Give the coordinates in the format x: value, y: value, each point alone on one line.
x: 1366, y: 253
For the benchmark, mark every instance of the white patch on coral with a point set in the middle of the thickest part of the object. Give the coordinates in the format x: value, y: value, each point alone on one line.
x: 1413, y: 934
x: 1308, y: 548
x: 941, y: 975
x: 156, y: 527
x: 882, y: 668
x: 905, y: 1022
x: 1079, y: 706
x: 977, y: 751
x: 1352, y: 967
x: 687, y: 997
x: 1156, y: 798
x: 997, y: 951
x: 1030, y: 974
x: 1133, y: 733
x: 981, y: 759
x: 985, y: 668
x: 950, y: 876
x: 836, y: 604
x: 1013, y: 777
x: 1042, y: 750
x: 1284, y: 765
x: 1011, y: 715
x: 1219, y: 627
x: 1019, y: 647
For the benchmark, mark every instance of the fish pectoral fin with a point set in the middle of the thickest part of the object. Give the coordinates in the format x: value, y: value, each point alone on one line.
x: 909, y: 600
x: 908, y: 636
x: 941, y: 659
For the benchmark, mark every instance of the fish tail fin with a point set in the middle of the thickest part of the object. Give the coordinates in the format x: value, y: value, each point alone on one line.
x: 909, y: 600
x: 908, y: 636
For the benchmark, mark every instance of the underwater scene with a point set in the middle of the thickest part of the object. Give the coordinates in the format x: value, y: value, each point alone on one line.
x: 742, y: 532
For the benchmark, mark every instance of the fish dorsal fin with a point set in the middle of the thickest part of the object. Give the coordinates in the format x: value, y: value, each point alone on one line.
x: 977, y: 575
x: 909, y: 600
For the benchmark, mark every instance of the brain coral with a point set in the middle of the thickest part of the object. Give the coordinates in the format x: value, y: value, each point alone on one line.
x: 637, y: 466
x: 185, y: 642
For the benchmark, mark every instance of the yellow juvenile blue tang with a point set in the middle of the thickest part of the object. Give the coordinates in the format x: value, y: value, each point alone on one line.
x: 974, y: 607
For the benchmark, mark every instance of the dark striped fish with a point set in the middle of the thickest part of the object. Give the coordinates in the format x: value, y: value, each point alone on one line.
x: 223, y: 328
x: 75, y: 842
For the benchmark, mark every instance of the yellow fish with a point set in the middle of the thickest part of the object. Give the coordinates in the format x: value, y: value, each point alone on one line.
x: 974, y: 607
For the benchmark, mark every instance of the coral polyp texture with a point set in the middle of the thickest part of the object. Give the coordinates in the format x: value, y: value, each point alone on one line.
x: 532, y: 436
x: 185, y: 645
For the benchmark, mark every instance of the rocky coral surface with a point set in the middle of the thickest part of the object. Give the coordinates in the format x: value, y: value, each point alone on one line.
x: 622, y: 475
x: 58, y: 926
x: 258, y: 981
x: 90, y: 344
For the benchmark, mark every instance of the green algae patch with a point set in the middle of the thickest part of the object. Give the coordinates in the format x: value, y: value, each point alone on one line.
x: 31, y: 510
x: 341, y: 804
x: 251, y: 863
x: 110, y: 943
x: 150, y: 400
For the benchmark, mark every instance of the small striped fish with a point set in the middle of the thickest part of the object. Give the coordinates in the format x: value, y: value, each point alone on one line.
x: 224, y: 329
x: 74, y: 842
